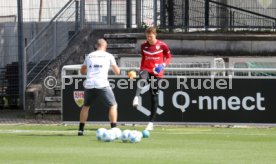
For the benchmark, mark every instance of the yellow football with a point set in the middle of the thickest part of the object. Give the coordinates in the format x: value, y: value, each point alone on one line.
x: 83, y: 69
x: 131, y: 74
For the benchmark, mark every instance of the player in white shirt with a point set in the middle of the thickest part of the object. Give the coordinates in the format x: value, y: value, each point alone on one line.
x: 96, y: 66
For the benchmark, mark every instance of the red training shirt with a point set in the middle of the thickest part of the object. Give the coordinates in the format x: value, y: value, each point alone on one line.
x: 153, y: 55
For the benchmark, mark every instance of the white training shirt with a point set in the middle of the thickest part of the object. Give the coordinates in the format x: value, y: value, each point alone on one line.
x: 98, y: 64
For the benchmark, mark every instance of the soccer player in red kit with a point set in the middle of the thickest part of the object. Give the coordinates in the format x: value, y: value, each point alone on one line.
x: 155, y: 57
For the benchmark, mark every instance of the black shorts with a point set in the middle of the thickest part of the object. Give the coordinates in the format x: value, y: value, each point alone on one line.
x: 105, y: 95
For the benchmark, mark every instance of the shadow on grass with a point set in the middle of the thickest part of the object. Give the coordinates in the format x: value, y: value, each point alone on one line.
x: 86, y: 129
x: 49, y: 135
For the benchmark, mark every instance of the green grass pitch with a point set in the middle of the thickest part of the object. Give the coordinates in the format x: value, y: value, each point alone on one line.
x: 167, y: 144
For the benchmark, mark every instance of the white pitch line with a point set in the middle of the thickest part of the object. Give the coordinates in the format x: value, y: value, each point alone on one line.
x: 200, y: 132
x: 189, y: 130
x: 206, y: 133
x: 38, y: 131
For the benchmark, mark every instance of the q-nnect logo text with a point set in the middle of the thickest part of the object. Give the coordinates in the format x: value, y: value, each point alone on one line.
x: 233, y: 103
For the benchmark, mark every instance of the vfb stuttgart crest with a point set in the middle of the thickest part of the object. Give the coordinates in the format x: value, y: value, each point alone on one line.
x: 157, y: 47
x: 79, y: 98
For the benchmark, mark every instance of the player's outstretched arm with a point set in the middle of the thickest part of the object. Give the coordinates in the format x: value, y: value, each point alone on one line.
x: 116, y: 69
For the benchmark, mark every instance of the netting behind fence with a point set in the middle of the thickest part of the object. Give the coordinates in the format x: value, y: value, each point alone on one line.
x: 181, y: 62
x: 255, y: 62
x: 182, y: 66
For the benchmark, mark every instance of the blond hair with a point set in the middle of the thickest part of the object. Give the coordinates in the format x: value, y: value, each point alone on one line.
x: 151, y: 30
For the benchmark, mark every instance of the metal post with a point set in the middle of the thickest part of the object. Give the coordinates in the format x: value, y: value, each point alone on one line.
x: 21, y: 56
x: 142, y: 6
x: 99, y: 11
x: 129, y: 13
x: 109, y: 12
x: 230, y: 21
x: 138, y: 13
x: 40, y: 10
x: 186, y: 16
x: 155, y: 13
x: 163, y: 13
x: 171, y: 14
x: 233, y: 20
x: 77, y: 16
x: 55, y: 39
x: 82, y: 13
x: 206, y: 15
x: 222, y: 11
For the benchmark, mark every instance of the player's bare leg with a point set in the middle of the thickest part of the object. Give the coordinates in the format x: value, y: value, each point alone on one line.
x: 83, y: 118
x: 113, y: 114
x: 143, y: 76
